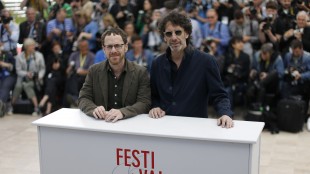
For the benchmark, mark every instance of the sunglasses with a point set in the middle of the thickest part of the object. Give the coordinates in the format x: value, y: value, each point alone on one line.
x: 169, y: 33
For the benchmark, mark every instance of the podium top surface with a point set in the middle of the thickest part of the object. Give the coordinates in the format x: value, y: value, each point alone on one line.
x: 168, y: 126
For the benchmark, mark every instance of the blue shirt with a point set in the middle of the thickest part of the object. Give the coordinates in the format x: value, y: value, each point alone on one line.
x: 91, y: 28
x: 99, y: 57
x: 221, y: 32
x: 196, y: 81
x: 67, y: 25
x: 302, y: 64
x: 145, y: 59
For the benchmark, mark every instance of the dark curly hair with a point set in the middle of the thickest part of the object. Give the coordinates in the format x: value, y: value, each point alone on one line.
x: 178, y: 19
x: 114, y: 31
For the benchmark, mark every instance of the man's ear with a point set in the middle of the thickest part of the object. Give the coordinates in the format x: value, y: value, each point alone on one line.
x: 186, y: 35
x: 126, y: 47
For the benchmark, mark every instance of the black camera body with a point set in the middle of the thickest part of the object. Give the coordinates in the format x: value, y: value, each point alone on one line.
x: 267, y: 25
x: 128, y: 14
x: 252, y: 9
x: 6, y: 20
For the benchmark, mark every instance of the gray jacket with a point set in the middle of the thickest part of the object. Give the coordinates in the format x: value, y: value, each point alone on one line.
x: 35, y: 64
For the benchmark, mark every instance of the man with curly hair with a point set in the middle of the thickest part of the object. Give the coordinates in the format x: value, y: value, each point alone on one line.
x: 184, y: 79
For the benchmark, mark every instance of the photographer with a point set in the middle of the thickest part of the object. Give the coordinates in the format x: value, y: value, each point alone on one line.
x: 100, y: 10
x: 77, y: 69
x: 30, y: 69
x: 225, y: 9
x: 151, y: 37
x: 123, y: 12
x: 236, y: 70
x: 31, y: 28
x: 265, y: 75
x: 9, y: 33
x: 247, y: 30
x: 255, y: 10
x: 199, y: 9
x: 60, y: 30
x: 303, y: 5
x: 285, y: 24
x: 87, y: 30
x: 59, y: 4
x: 297, y: 72
x: 54, y: 79
x: 7, y: 79
x: 217, y: 31
x: 267, y: 28
x: 144, y: 16
x: 138, y: 54
x: 301, y: 32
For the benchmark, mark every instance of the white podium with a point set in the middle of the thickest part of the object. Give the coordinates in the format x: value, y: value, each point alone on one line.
x: 71, y: 142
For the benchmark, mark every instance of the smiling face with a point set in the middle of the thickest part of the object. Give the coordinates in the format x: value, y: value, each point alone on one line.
x: 115, y: 49
x: 175, y: 37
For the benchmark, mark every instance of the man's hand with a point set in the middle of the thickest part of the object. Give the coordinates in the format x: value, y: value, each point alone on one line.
x: 297, y: 75
x: 225, y: 121
x: 156, y: 113
x: 246, y: 38
x: 113, y: 115
x: 262, y: 75
x: 99, y: 112
x: 29, y: 75
x: 81, y: 71
x: 56, y: 31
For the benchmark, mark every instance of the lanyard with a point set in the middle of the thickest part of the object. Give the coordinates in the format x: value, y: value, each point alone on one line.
x: 82, y: 60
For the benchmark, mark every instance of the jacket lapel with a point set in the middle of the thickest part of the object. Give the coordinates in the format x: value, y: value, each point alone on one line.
x: 103, y: 83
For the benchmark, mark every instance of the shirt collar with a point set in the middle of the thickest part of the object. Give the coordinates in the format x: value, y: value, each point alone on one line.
x: 108, y: 67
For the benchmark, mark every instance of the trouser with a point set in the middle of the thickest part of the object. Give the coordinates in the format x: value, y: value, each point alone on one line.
x: 6, y: 85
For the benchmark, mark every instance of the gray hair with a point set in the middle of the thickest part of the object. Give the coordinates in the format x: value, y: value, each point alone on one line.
x: 267, y: 48
x: 29, y: 41
x: 303, y: 13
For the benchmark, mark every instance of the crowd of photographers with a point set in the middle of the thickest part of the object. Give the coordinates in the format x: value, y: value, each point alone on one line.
x: 261, y: 46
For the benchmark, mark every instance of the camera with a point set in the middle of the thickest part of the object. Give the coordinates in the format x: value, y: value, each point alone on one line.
x: 6, y: 20
x: 299, y: 30
x: 252, y: 9
x: 267, y: 25
x: 128, y: 14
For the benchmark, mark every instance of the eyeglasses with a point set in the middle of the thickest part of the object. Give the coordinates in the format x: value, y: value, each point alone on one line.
x: 210, y: 17
x: 116, y: 46
x: 169, y: 33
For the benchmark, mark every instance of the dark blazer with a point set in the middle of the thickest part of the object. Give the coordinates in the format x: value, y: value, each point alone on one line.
x: 306, y: 39
x: 136, y: 95
x: 24, y: 29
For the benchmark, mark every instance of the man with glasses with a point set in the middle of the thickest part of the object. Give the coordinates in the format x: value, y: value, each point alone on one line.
x: 216, y: 31
x: 116, y: 88
x: 184, y: 79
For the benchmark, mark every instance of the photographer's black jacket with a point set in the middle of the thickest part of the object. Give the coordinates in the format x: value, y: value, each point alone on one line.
x: 195, y: 82
x: 25, y: 28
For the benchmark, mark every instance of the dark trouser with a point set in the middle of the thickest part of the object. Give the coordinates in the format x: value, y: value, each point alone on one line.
x: 269, y: 85
x: 52, y: 88
x: 6, y: 85
x: 235, y: 93
x: 73, y: 86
